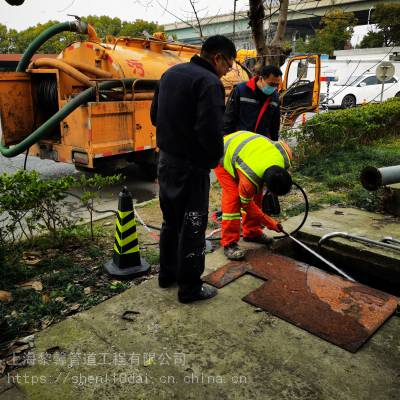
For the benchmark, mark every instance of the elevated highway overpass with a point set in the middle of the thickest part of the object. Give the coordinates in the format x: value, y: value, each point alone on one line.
x: 303, y: 18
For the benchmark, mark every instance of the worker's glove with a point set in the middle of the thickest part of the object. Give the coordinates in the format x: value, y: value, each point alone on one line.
x: 277, y: 227
x: 272, y: 224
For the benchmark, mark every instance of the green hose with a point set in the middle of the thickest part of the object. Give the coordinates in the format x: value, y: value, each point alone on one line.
x: 72, y: 26
x: 52, y: 122
x: 81, y: 98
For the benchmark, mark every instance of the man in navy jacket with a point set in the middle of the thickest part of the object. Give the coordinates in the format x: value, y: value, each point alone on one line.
x: 254, y: 105
x: 187, y: 110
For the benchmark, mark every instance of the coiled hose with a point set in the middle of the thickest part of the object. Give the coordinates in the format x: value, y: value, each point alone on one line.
x: 71, y: 26
x: 209, y: 236
x: 52, y: 122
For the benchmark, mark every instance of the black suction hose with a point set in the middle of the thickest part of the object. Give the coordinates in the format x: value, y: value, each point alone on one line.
x: 303, y: 221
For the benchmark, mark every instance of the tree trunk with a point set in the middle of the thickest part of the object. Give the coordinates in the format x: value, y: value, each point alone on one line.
x: 272, y: 53
x: 256, y: 22
x: 275, y: 47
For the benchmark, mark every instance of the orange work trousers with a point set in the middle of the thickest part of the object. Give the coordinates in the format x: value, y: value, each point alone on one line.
x: 231, y: 210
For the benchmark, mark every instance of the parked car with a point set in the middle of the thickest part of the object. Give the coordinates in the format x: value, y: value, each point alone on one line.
x: 359, y: 90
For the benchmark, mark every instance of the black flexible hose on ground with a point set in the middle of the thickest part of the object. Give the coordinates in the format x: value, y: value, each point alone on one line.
x: 303, y: 221
x: 307, y: 209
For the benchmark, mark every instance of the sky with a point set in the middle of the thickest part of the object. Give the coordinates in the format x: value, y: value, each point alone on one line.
x: 35, y: 11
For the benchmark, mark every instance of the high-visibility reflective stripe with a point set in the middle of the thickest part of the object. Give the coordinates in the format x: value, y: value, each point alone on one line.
x: 274, y: 103
x: 255, y: 157
x: 125, y: 227
x: 245, y: 200
x: 123, y: 214
x: 127, y: 240
x: 230, y: 216
x: 249, y: 172
x: 240, y: 147
x: 132, y: 250
x: 226, y: 144
x: 232, y: 136
x: 284, y: 154
x: 248, y: 100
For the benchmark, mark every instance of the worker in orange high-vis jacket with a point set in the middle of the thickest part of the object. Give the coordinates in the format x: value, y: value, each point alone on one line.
x: 250, y: 163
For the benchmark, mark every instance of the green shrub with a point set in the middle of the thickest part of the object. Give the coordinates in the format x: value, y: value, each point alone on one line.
x: 361, y: 198
x: 352, y: 127
x: 30, y: 204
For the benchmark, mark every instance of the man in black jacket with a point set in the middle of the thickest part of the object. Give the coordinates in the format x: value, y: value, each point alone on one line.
x: 187, y: 110
x: 254, y: 105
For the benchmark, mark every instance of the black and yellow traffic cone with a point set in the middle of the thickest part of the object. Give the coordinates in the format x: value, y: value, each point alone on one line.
x: 126, y: 261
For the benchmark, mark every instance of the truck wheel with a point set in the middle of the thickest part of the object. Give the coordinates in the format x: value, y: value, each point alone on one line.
x: 349, y: 101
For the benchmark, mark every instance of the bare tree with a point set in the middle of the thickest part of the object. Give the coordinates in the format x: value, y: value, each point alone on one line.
x: 194, y: 21
x: 192, y: 3
x: 234, y: 18
x: 273, y: 52
x: 189, y: 23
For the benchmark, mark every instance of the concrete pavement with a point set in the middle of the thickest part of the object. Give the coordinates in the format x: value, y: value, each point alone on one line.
x: 143, y: 344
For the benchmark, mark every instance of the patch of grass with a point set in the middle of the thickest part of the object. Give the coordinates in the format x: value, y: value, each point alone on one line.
x: 61, y: 270
x: 361, y: 198
x: 94, y: 251
x: 72, y: 293
x: 151, y: 255
x: 13, y: 270
x: 335, y: 182
x: 334, y: 178
x: 211, y: 224
x: 70, y: 272
x: 350, y: 161
x: 215, y: 197
x: 28, y: 310
x: 118, y: 286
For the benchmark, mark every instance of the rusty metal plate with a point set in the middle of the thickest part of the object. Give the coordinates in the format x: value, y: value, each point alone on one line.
x: 342, y: 312
x: 227, y: 274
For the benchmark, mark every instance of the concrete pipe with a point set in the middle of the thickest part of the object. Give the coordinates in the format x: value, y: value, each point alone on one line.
x: 373, y: 178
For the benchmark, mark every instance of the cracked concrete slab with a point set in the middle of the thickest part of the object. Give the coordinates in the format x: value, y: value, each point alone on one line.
x: 222, y: 348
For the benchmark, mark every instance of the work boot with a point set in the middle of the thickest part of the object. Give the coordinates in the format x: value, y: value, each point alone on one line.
x: 234, y: 252
x: 262, y: 239
x: 205, y: 292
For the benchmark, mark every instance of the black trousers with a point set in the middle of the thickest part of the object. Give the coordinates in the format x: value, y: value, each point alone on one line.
x: 184, y: 194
